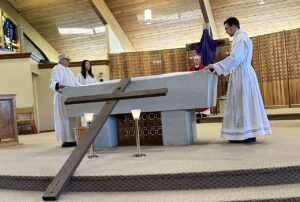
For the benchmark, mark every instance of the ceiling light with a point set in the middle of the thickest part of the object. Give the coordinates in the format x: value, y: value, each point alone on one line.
x: 148, y: 16
x: 261, y: 2
x: 77, y: 30
x: 99, y: 29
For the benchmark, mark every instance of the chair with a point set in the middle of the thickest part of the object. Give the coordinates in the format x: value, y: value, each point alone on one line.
x: 25, y: 120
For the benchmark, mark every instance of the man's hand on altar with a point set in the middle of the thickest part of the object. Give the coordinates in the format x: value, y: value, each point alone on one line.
x: 211, y: 68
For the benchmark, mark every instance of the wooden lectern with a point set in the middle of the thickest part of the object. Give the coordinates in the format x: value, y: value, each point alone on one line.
x: 8, y: 123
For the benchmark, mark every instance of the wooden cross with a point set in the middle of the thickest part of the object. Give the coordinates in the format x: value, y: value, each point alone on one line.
x: 66, y: 172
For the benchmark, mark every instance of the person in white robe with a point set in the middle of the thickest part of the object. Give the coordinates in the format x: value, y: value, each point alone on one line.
x: 62, y: 77
x: 244, y: 114
x: 86, y: 75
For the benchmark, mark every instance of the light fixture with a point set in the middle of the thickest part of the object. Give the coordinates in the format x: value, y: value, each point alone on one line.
x: 136, y: 115
x: 99, y: 29
x: 89, y: 118
x: 261, y: 2
x: 148, y: 16
x: 78, y: 30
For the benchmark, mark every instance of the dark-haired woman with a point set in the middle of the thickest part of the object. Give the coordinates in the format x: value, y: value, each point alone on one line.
x: 86, y: 75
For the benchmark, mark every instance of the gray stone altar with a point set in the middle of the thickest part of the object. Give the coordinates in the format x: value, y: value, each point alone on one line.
x: 187, y: 91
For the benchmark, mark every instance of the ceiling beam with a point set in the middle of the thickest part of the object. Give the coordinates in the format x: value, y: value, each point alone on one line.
x: 208, y: 17
x: 107, y: 18
x: 203, y: 10
x: 98, y: 13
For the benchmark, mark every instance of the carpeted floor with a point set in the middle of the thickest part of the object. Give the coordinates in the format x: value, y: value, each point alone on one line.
x: 41, y: 155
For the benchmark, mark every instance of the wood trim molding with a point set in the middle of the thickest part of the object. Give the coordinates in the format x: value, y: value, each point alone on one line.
x: 276, y: 106
x: 7, y: 96
x: 14, y: 56
x: 47, y: 131
x: 74, y: 64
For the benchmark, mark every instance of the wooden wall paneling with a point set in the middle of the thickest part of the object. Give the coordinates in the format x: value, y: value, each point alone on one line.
x: 256, y: 62
x: 116, y: 66
x: 175, y: 60
x: 145, y: 63
x: 292, y: 39
x: 155, y: 63
x: 255, y: 57
x: 222, y: 52
x: 135, y: 64
x: 274, y: 70
x: 132, y: 62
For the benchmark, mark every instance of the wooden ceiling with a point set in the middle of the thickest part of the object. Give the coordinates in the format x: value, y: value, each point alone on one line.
x: 175, y: 22
x: 169, y: 31
x: 255, y: 19
x: 46, y: 16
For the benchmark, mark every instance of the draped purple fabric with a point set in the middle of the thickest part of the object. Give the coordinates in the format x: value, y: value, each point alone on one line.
x: 207, y: 48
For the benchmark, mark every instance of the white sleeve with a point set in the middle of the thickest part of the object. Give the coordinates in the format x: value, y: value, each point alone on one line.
x: 55, y: 78
x: 79, y: 79
x: 236, y: 57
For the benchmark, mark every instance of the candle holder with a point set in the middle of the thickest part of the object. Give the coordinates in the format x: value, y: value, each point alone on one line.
x: 136, y: 115
x: 89, y: 118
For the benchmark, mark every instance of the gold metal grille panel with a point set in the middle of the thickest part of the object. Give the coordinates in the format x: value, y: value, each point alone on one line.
x: 273, y: 57
x: 293, y: 53
x: 293, y: 59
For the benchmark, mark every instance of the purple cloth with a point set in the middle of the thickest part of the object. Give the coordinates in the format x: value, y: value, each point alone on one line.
x: 207, y: 48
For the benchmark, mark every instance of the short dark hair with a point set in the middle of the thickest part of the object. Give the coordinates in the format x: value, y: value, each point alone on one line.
x: 232, y: 21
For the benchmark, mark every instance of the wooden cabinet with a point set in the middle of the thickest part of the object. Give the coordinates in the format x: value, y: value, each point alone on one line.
x: 8, y: 123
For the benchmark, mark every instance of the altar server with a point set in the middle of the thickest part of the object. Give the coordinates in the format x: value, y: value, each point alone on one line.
x: 86, y: 75
x: 62, y: 77
x: 244, y: 116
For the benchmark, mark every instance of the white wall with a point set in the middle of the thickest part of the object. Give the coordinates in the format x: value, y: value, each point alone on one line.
x: 114, y: 44
x: 16, y: 78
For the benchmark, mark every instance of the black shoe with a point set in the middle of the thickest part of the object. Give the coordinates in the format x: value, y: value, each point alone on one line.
x: 236, y: 141
x: 248, y: 140
x: 68, y: 144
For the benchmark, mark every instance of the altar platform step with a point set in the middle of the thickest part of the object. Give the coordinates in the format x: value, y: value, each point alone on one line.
x: 273, y: 114
x: 162, y: 182
x: 283, y: 193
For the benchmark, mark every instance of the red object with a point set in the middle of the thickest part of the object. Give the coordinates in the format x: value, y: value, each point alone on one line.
x: 194, y: 68
x: 33, y: 128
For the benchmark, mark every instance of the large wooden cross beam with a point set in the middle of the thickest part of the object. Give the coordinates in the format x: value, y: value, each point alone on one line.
x: 64, y: 175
